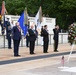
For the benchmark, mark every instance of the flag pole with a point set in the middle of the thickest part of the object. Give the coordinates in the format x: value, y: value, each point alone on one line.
x: 41, y: 4
x: 62, y: 60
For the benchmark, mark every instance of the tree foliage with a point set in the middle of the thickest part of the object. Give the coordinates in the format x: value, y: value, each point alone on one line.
x: 63, y: 10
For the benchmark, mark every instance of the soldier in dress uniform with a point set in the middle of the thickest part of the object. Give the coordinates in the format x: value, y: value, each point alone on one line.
x: 8, y: 33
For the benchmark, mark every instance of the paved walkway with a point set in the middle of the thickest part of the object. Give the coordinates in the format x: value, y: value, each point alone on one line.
x: 41, y: 66
x: 7, y: 54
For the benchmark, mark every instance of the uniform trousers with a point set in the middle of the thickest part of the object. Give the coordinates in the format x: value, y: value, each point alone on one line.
x: 9, y: 42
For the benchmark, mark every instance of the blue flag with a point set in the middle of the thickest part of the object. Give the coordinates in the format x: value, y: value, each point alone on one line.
x: 22, y: 25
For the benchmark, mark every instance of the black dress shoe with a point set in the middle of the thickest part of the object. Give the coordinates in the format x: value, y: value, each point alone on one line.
x: 32, y: 53
x: 27, y: 46
x: 45, y: 52
x: 10, y: 48
x: 17, y: 55
x: 56, y: 51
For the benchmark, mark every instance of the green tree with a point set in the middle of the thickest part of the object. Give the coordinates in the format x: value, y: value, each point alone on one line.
x: 63, y: 10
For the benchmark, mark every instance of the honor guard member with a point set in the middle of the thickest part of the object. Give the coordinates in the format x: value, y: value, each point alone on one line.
x: 27, y: 35
x: 27, y: 39
x: 8, y: 33
x: 42, y: 35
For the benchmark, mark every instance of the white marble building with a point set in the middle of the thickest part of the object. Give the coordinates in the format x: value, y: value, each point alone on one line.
x: 48, y: 21
x: 63, y: 37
